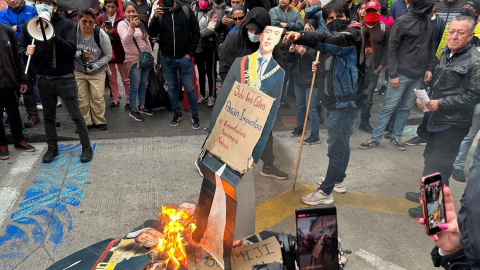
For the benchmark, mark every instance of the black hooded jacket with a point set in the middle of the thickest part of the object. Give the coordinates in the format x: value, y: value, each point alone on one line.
x: 237, y: 43
x: 410, y: 49
x: 11, y: 64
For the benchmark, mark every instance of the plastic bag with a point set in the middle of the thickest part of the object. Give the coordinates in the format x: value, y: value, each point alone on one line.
x: 157, y: 95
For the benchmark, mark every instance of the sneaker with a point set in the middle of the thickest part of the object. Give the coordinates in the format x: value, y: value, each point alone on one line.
x: 317, y: 197
x: 366, y: 128
x: 296, y: 132
x: 382, y: 90
x: 370, y: 143
x: 31, y: 121
x: 146, y: 111
x: 195, y: 122
x: 175, y: 120
x: 211, y: 102
x: 311, y: 141
x: 114, y: 105
x: 197, y: 165
x: 59, y: 103
x: 416, y: 141
x: 388, y: 135
x: 459, y: 175
x: 50, y: 155
x: 4, y: 155
x: 413, y: 196
x: 136, y: 115
x: 102, y: 127
x: 273, y: 172
x: 127, y: 107
x: 398, y: 143
x: 40, y: 107
x: 338, y: 188
x: 24, y: 146
x: 218, y: 79
x: 57, y: 123
x: 201, y: 100
x: 284, y: 104
x: 87, y: 154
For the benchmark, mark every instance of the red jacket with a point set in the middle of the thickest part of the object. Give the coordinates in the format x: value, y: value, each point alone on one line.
x: 118, y: 52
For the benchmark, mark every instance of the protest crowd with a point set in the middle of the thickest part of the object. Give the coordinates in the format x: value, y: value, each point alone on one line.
x: 387, y: 47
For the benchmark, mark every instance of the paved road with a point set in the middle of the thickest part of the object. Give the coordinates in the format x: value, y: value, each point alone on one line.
x: 50, y: 211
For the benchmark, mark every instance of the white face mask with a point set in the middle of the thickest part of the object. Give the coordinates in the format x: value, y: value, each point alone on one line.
x: 44, y: 8
x: 253, y: 38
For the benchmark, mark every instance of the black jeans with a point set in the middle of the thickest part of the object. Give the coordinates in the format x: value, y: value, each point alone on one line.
x: 29, y: 96
x: 205, y: 62
x: 49, y: 90
x: 422, y: 128
x: 267, y: 155
x: 441, y: 151
x: 9, y: 102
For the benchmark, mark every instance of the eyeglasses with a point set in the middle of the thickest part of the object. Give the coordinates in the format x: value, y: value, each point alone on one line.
x: 239, y: 18
x: 84, y: 22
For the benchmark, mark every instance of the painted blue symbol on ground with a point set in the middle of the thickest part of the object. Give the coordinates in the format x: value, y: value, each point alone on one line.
x: 43, y: 216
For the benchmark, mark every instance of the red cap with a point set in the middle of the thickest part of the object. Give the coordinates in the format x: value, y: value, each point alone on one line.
x: 373, y: 4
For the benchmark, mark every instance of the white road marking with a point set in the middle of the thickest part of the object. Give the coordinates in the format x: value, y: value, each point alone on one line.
x: 8, y: 196
x: 377, y: 262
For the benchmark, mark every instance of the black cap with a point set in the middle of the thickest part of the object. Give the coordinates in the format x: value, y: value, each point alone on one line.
x: 475, y: 4
x: 52, y: 1
x: 254, y: 26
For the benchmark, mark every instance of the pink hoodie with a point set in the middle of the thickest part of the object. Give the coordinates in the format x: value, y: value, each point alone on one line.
x: 132, y: 54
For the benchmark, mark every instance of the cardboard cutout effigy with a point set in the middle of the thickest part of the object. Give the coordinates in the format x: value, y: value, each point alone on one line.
x: 240, y: 125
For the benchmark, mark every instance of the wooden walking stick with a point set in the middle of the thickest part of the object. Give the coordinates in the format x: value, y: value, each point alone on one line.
x: 304, y: 126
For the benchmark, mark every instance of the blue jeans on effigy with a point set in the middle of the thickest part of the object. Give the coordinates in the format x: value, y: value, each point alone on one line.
x: 302, y: 93
x: 467, y: 142
x: 185, y: 67
x: 402, y: 99
x: 138, y: 84
x: 338, y: 125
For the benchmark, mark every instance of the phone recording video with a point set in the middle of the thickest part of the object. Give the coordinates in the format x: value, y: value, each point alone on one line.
x: 434, y: 207
x: 109, y: 25
x: 317, y: 238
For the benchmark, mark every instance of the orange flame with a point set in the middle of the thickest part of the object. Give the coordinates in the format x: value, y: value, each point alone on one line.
x: 173, y: 242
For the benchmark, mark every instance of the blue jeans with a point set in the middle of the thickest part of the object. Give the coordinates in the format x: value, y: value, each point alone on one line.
x: 402, y: 99
x: 338, y: 125
x: 185, y: 67
x: 138, y: 84
x: 302, y: 92
x: 367, y: 103
x: 467, y: 143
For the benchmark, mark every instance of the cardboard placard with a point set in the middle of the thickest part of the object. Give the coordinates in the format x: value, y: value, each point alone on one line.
x: 239, y: 126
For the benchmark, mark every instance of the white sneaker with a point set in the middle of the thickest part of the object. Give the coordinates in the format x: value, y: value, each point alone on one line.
x: 211, y: 102
x: 338, y: 188
x: 40, y: 107
x: 59, y: 103
x: 198, y: 167
x: 317, y: 197
x: 201, y: 99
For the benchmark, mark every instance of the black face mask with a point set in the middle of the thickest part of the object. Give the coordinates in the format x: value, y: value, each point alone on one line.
x: 338, y: 25
x: 167, y: 3
x: 469, y: 13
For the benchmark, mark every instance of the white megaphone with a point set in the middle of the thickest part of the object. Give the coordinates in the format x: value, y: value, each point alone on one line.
x: 39, y: 28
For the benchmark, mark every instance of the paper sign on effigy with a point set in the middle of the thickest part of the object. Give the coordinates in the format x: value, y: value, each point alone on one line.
x: 239, y: 126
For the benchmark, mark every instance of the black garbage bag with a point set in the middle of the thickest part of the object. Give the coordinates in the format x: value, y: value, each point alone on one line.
x: 157, y: 95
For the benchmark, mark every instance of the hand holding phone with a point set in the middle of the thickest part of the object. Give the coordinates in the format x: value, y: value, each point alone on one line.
x: 158, y: 12
x: 109, y: 25
x: 433, y: 202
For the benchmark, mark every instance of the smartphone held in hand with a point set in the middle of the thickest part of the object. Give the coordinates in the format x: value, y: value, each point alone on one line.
x: 109, y: 25
x: 433, y: 202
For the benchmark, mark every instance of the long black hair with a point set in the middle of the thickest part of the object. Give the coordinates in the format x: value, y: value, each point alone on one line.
x: 128, y: 4
x: 384, y: 9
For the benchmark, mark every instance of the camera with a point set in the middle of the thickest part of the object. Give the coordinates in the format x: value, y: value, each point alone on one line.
x: 86, y: 63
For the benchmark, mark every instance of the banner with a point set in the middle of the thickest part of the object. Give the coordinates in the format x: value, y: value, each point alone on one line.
x: 239, y: 126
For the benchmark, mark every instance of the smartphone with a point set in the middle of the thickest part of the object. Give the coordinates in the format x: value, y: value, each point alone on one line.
x: 317, y: 238
x: 135, y: 16
x: 431, y: 188
x: 109, y: 25
x: 228, y: 13
x: 165, y: 8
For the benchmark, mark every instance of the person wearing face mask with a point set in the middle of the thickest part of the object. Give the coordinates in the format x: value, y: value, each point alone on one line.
x: 376, y: 35
x: 411, y: 60
x: 339, y: 67
x: 53, y: 61
x: 242, y: 42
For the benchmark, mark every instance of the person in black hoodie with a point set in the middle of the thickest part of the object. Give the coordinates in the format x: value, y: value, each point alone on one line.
x: 411, y: 60
x: 53, y: 62
x: 12, y: 78
x: 245, y: 41
x: 178, y: 35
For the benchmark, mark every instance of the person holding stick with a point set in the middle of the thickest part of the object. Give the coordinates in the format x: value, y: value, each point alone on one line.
x: 341, y: 47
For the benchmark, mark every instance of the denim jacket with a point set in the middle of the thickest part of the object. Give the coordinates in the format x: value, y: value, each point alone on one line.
x: 271, y: 86
x: 315, y: 12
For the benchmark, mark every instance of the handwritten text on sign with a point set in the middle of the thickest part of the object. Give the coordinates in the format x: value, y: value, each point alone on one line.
x: 239, y: 126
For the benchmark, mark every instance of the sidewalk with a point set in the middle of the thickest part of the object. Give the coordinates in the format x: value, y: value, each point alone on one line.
x: 120, y: 125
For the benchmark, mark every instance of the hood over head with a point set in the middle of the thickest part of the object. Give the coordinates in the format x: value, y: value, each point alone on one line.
x: 258, y: 15
x: 422, y: 7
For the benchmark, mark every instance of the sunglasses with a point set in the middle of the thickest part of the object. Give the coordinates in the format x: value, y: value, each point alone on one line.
x: 87, y: 22
x: 239, y: 18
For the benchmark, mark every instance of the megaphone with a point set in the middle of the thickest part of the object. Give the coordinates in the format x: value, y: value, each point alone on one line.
x: 39, y: 28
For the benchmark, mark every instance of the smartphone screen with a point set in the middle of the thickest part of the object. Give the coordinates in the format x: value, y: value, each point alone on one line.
x: 317, y: 238
x: 434, y: 207
x: 109, y: 25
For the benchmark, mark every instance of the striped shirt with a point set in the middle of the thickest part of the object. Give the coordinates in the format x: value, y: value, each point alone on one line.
x: 449, y: 10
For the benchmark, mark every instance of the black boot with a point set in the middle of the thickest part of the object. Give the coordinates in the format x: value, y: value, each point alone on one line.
x: 87, y: 154
x: 413, y: 196
x: 416, y: 212
x: 50, y: 155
